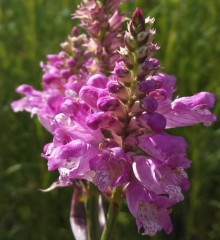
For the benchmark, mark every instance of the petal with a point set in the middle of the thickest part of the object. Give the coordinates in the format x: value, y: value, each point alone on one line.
x: 111, y: 168
x: 148, y: 218
x: 165, y: 147
x: 148, y: 209
x: 187, y: 111
x: 89, y: 95
x: 159, y: 178
x: 166, y: 82
x: 98, y: 80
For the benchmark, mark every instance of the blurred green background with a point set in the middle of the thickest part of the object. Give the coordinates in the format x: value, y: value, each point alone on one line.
x: 189, y: 35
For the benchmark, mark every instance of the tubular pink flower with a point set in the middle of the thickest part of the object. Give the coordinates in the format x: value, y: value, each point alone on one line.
x: 165, y: 148
x: 111, y: 168
x: 150, y: 211
x: 187, y: 111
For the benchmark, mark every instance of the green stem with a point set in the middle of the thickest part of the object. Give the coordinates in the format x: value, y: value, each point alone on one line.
x: 92, y: 212
x: 113, y: 212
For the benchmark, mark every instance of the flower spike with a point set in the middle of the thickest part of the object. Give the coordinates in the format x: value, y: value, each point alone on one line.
x: 107, y: 105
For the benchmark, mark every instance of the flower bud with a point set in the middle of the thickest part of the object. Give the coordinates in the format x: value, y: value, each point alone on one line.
x: 115, y: 21
x: 136, y: 107
x: 65, y: 73
x: 98, y: 80
x: 108, y: 103
x: 66, y: 47
x: 71, y: 62
x: 127, y: 57
x: 155, y: 121
x: 122, y: 73
x: 151, y: 64
x: 149, y: 104
x: 118, y: 89
x: 103, y: 120
x: 120, y: 69
x: 114, y: 86
x: 147, y: 86
x: 151, y: 35
x: 75, y: 32
x: 130, y: 42
x: 141, y: 54
x: 138, y: 21
x: 159, y: 95
x: 142, y: 37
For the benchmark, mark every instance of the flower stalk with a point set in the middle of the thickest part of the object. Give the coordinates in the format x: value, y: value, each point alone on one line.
x: 92, y: 212
x: 113, y: 212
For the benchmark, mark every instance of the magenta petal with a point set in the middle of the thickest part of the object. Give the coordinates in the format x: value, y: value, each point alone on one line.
x: 89, y: 95
x: 202, y: 99
x: 71, y: 159
x: 164, y: 147
x: 98, y: 80
x: 160, y: 179
x: 147, y: 86
x: 166, y: 82
x: 72, y: 149
x: 27, y: 90
x: 187, y: 111
x: 32, y: 102
x: 149, y: 216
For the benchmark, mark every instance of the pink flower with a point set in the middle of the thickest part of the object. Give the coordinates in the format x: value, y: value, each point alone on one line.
x: 150, y: 211
x: 188, y: 111
x: 111, y: 168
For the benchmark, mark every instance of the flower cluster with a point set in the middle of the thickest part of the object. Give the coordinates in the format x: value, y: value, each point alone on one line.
x: 102, y: 22
x: 108, y: 110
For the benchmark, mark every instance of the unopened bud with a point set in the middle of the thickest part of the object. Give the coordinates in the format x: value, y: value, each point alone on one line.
x: 138, y: 20
x: 151, y: 64
x: 158, y: 94
x: 136, y: 107
x: 149, y: 104
x: 71, y: 62
x: 127, y: 57
x: 147, y: 86
x: 108, y: 103
x: 66, y: 46
x: 154, y: 121
x: 129, y: 41
x: 141, y: 54
x: 75, y: 32
x: 114, y: 86
x: 142, y: 37
x: 122, y: 73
